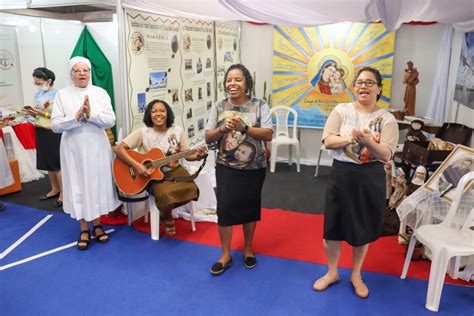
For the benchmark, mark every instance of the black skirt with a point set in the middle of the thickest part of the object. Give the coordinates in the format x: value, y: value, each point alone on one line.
x: 355, y: 202
x: 239, y: 195
x: 47, y: 149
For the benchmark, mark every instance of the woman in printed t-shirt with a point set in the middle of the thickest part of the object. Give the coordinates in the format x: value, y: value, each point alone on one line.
x: 240, y: 124
x: 161, y: 132
x: 360, y: 137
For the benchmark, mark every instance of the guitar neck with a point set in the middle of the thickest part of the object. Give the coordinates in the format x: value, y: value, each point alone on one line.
x: 166, y: 160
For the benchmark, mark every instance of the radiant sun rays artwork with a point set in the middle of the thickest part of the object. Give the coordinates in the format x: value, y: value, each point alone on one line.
x: 314, y: 67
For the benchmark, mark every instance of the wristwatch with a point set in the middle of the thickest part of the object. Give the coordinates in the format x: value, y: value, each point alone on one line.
x: 246, y: 128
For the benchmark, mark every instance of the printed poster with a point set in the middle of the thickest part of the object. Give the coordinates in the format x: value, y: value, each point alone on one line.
x: 10, y: 87
x: 464, y: 91
x: 227, y: 51
x: 314, y: 67
x: 172, y: 60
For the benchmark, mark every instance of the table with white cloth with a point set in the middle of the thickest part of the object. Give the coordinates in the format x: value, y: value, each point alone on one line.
x: 6, y: 176
x: 205, y: 207
x: 424, y: 207
x: 20, y: 141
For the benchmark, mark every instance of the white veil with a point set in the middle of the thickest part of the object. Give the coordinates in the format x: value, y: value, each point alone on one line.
x: 72, y: 62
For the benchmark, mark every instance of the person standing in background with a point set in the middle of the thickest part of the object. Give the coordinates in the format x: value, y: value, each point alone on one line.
x: 411, y: 80
x: 47, y: 142
x: 82, y: 112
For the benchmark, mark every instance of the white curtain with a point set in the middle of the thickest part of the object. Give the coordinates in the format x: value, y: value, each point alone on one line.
x: 316, y: 12
x: 437, y: 104
x: 391, y: 12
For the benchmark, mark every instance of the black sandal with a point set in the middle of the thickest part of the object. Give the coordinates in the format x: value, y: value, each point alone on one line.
x: 102, y: 237
x: 83, y: 244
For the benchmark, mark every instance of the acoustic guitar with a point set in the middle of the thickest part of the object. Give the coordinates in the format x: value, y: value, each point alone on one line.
x: 130, y: 182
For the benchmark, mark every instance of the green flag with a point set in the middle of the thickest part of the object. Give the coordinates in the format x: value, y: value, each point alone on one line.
x: 101, y: 68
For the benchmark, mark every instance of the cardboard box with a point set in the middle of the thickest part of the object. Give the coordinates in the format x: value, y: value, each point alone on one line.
x: 16, y: 186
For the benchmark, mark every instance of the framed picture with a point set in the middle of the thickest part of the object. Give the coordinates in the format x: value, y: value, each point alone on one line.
x: 445, y: 179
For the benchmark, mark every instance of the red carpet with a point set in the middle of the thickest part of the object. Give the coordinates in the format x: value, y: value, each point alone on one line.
x: 298, y: 236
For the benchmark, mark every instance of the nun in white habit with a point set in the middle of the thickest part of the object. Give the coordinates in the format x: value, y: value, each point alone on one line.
x: 82, y: 112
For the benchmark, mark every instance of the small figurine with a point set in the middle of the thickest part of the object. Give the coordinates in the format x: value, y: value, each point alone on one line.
x: 417, y: 181
x: 411, y: 80
x: 399, y: 183
x: 415, y: 134
x: 389, y: 170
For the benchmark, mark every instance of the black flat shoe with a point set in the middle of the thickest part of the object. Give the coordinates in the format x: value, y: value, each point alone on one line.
x: 219, y: 268
x: 58, y: 204
x: 83, y: 243
x: 250, y: 262
x: 47, y: 197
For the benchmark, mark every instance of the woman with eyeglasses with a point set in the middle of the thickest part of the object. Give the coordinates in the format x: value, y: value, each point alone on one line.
x: 360, y: 137
x: 82, y: 112
x: 47, y: 142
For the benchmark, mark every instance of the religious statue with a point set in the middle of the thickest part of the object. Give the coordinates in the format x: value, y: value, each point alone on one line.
x: 417, y: 181
x: 411, y: 80
x: 415, y: 134
x: 400, y: 187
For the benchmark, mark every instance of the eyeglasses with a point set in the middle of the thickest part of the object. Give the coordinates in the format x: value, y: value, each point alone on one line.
x: 77, y: 71
x: 368, y: 83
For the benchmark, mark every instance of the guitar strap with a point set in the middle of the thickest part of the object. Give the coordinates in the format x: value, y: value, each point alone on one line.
x: 188, y: 178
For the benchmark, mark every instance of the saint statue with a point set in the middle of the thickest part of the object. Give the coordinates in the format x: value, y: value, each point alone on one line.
x: 411, y: 80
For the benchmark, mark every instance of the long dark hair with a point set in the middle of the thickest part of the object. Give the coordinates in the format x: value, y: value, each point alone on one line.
x: 169, y: 113
x: 247, y: 76
x: 45, y: 74
x: 378, y: 78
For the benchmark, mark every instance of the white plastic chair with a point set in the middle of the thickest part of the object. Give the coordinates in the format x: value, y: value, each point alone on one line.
x: 446, y: 241
x: 282, y: 136
x: 321, y: 149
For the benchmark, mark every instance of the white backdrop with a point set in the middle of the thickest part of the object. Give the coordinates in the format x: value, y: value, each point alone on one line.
x: 419, y: 43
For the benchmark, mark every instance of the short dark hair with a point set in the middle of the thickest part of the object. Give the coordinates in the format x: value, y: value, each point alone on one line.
x: 247, y: 76
x: 378, y: 77
x: 169, y: 113
x: 45, y: 74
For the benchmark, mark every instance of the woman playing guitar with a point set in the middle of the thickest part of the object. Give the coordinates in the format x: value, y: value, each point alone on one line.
x: 161, y: 133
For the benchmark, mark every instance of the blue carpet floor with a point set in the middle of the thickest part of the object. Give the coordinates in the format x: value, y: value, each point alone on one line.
x: 133, y: 275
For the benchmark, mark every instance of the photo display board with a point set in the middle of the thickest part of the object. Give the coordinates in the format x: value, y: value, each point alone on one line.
x: 174, y: 60
x: 227, y: 37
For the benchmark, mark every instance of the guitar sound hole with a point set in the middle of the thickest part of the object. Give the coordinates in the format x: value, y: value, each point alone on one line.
x: 148, y: 164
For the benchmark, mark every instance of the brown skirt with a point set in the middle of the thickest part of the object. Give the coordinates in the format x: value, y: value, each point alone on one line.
x: 171, y: 194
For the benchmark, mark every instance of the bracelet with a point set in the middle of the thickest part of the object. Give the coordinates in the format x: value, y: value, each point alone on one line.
x: 46, y: 114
